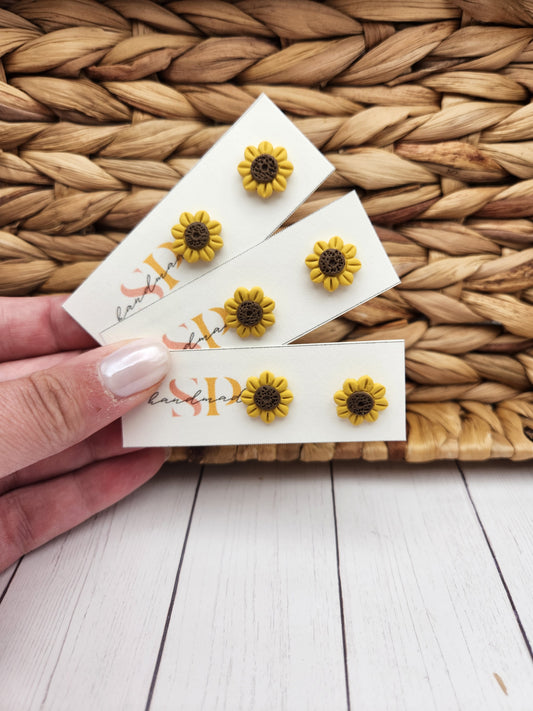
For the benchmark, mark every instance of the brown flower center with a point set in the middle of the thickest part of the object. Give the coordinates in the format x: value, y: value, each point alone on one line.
x: 360, y: 403
x: 196, y: 235
x: 267, y: 397
x: 249, y: 313
x: 331, y: 262
x: 264, y: 168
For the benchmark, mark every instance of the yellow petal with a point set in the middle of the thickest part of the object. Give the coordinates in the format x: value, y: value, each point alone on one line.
x: 281, y: 410
x: 244, y: 167
x: 371, y: 416
x: 335, y: 243
x: 268, y: 319
x: 267, y: 304
x: 319, y: 247
x: 346, y: 278
x: 285, y: 168
x: 186, y: 218
x: 253, y: 410
x: 340, y: 397
x: 267, y: 416
x: 279, y: 184
x: 252, y: 383
x: 216, y: 242
x: 258, y: 330
x: 381, y: 404
x: 378, y: 391
x: 249, y: 183
x: 241, y: 294
x: 265, y: 190
x: 243, y: 331
x: 286, y: 397
x: 349, y: 251
x: 202, y: 216
x: 343, y: 412
x: 191, y: 255
x: 355, y: 419
x: 177, y: 231
x: 331, y: 283
x: 179, y: 247
x: 312, y: 261
x: 214, y: 227
x: 230, y: 306
x: 353, y: 265
x: 280, y: 153
x: 266, y: 147
x: 231, y: 320
x: 366, y: 383
x: 256, y: 294
x: 280, y: 383
x: 207, y: 253
x: 350, y: 386
x: 316, y: 275
x: 247, y: 397
x: 266, y: 378
x: 251, y: 153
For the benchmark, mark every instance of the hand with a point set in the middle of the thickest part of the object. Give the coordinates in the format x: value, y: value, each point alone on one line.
x: 61, y: 457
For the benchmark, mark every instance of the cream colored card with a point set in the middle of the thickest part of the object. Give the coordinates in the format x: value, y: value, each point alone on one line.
x: 194, y: 316
x: 200, y: 402
x: 143, y: 269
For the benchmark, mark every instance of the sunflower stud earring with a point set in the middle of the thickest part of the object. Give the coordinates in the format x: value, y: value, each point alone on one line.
x: 265, y: 169
x: 250, y: 312
x: 333, y: 263
x: 196, y: 237
x: 360, y: 400
x: 267, y: 397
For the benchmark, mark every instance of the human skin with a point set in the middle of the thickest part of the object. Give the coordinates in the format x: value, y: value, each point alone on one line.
x: 61, y: 397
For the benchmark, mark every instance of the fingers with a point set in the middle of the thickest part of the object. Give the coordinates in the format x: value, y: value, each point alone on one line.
x: 104, y: 444
x: 32, y: 326
x: 49, y: 411
x: 19, y: 368
x: 33, y: 515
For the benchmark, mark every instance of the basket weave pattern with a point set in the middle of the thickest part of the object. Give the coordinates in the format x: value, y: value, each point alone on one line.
x: 422, y: 106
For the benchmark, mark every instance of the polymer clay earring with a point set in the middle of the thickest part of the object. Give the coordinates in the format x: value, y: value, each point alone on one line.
x: 333, y: 263
x: 196, y: 237
x: 267, y: 397
x: 250, y: 312
x: 265, y: 169
x: 360, y: 400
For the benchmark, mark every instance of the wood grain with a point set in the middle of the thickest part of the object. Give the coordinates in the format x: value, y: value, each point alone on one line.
x: 82, y: 620
x: 428, y: 621
x: 503, y: 498
x: 256, y: 622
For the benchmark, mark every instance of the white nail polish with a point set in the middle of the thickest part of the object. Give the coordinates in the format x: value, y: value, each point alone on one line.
x: 135, y: 367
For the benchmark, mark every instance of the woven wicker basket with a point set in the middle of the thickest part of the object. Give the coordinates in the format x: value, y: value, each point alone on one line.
x: 422, y: 105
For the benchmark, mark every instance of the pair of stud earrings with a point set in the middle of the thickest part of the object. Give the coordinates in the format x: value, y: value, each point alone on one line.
x: 265, y: 169
x: 268, y: 396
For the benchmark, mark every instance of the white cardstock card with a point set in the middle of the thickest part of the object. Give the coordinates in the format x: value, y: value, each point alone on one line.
x: 143, y: 268
x: 200, y: 402
x: 194, y: 316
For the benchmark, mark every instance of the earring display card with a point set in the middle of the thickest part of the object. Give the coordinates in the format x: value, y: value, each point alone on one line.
x: 143, y: 268
x: 194, y: 316
x: 204, y: 400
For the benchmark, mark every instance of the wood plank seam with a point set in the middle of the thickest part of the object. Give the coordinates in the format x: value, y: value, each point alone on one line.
x: 496, y: 563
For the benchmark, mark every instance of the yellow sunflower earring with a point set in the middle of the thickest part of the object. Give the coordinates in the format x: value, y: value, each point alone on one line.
x: 196, y: 237
x: 267, y: 397
x: 249, y: 312
x: 265, y: 169
x: 333, y: 263
x: 360, y: 400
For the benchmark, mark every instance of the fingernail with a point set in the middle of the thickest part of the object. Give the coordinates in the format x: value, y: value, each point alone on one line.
x: 135, y: 367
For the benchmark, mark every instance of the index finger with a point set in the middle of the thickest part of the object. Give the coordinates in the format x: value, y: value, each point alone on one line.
x: 38, y: 325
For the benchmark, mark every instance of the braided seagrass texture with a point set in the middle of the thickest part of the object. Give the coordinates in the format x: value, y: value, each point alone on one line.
x: 422, y: 105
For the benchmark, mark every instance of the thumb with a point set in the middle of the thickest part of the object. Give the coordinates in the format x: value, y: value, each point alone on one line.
x: 46, y: 412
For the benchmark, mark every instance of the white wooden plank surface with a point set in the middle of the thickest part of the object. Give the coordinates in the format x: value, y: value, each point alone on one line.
x: 428, y: 622
x: 81, y: 623
x: 256, y: 622
x: 502, y: 493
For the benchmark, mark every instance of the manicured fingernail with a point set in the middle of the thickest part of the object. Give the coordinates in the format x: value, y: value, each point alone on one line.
x: 135, y: 367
